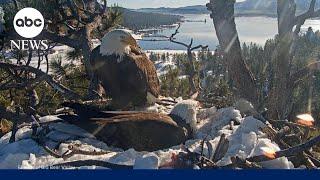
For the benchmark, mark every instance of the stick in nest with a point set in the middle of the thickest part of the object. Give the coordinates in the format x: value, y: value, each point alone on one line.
x: 288, y: 152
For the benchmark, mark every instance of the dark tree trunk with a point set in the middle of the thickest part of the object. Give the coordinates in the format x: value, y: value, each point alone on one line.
x: 280, y: 99
x: 224, y: 22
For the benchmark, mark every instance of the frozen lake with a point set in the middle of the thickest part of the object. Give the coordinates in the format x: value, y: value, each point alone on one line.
x: 251, y: 29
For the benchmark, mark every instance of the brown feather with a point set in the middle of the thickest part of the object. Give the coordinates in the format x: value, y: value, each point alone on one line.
x: 141, y: 131
x: 129, y: 81
x: 137, y: 117
x: 149, y: 70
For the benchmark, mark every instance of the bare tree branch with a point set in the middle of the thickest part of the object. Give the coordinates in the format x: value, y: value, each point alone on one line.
x: 304, y: 72
x: 61, y: 39
x: 288, y: 152
x: 10, y: 115
x: 43, y: 76
x: 311, y: 13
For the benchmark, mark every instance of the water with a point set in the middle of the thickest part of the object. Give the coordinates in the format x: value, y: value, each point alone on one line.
x: 250, y: 29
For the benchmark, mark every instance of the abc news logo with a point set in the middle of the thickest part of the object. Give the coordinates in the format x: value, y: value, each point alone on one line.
x: 28, y: 23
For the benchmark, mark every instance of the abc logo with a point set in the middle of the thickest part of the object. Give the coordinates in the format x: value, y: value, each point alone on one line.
x: 28, y: 22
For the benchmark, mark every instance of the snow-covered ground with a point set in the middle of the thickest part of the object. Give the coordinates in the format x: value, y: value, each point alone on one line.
x: 163, y: 67
x: 60, y: 51
x: 170, y: 52
x: 246, y: 140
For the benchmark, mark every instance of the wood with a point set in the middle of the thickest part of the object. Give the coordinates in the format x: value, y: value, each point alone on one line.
x: 221, y: 149
x: 88, y: 19
x: 222, y: 13
x: 280, y: 99
x: 43, y: 76
x: 190, y: 48
x: 288, y: 152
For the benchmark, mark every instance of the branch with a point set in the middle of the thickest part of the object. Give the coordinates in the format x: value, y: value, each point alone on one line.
x: 54, y: 84
x: 221, y: 149
x: 65, y: 40
x: 104, y: 7
x: 287, y: 152
x: 189, y: 46
x: 303, y: 72
x: 76, y: 44
x: 15, y: 4
x: 200, y: 46
x: 9, y: 115
x: 311, y: 13
x: 237, y: 162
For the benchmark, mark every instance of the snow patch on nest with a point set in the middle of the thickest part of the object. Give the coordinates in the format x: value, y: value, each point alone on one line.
x: 187, y: 110
x: 245, y: 140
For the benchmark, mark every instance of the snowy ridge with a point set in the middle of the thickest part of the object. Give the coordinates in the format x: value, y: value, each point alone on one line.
x: 246, y: 140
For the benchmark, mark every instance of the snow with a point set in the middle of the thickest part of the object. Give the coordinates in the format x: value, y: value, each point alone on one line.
x: 245, y: 140
x: 163, y: 67
x: 147, y: 161
x: 281, y: 163
x: 187, y: 110
x: 170, y: 52
x: 70, y: 129
x: 214, y: 125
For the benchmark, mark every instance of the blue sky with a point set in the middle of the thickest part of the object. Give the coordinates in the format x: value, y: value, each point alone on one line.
x: 157, y: 3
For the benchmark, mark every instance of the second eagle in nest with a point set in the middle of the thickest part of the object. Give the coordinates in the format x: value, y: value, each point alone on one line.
x: 143, y: 131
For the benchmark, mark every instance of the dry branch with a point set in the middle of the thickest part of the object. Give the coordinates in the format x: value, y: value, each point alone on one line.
x: 288, y: 152
x: 10, y: 115
x: 221, y: 149
x: 43, y: 76
x: 311, y: 13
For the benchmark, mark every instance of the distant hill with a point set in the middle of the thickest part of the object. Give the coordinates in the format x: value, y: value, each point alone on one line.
x: 141, y: 20
x: 199, y: 9
x: 248, y: 7
x: 268, y: 7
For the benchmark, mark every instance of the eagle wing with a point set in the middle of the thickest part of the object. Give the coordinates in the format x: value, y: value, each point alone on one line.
x: 148, y: 70
x: 129, y: 80
x: 137, y: 117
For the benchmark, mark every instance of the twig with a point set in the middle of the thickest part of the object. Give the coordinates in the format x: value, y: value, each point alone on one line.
x: 194, y: 158
x: 244, y: 164
x: 74, y: 151
x: 291, y: 124
x: 311, y: 13
x: 221, y: 149
x: 313, y: 159
x: 15, y: 126
x: 40, y: 138
x: 71, y: 152
x: 54, y: 84
x: 288, y: 152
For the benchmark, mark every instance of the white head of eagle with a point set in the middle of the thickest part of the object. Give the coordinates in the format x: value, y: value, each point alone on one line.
x: 187, y: 110
x: 117, y: 42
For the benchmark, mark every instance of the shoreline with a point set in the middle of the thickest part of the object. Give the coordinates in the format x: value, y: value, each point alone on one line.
x: 148, y: 32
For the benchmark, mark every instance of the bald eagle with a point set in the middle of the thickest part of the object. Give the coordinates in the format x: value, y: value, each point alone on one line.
x: 143, y: 131
x: 128, y: 76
